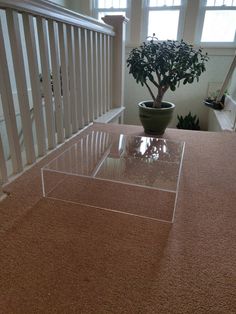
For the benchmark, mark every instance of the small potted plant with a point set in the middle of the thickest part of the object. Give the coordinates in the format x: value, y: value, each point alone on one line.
x: 189, y: 122
x: 163, y: 65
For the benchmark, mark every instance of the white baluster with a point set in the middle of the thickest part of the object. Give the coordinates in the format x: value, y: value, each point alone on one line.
x: 3, y: 166
x: 105, y: 105
x: 72, y: 79
x: 65, y: 80
x: 46, y: 76
x: 91, y: 75
x: 9, y: 110
x: 22, y: 92
x: 101, y: 74
x: 84, y: 43
x: 79, y: 81
x: 109, y: 69
x: 35, y: 82
x: 96, y: 81
x: 56, y: 75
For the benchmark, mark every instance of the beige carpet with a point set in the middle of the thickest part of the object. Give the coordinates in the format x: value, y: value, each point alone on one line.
x: 58, y: 257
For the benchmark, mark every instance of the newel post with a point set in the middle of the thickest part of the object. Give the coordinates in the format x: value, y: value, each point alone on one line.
x: 118, y: 58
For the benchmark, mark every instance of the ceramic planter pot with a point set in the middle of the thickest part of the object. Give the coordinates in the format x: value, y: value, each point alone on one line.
x: 155, y: 120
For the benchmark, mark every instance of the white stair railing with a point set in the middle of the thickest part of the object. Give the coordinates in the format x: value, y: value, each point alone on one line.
x: 3, y: 169
x: 63, y: 68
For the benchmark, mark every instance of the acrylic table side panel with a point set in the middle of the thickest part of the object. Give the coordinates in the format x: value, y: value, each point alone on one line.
x: 110, y: 195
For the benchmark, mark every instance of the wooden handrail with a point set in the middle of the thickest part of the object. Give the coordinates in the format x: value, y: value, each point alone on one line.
x: 58, y: 13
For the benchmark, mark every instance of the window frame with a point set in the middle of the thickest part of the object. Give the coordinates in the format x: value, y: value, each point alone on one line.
x: 199, y: 29
x: 147, y: 9
x: 96, y: 9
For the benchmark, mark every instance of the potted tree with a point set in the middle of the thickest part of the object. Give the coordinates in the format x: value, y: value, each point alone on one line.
x: 163, y: 65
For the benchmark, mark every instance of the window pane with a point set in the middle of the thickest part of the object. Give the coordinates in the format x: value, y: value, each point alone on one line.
x: 123, y: 3
x: 229, y: 2
x: 107, y: 4
x: 152, y: 3
x: 173, y: 2
x: 164, y: 24
x: 101, y: 3
x: 217, y: 3
x: 119, y: 4
x: 219, y: 26
x: 161, y: 3
x: 210, y: 3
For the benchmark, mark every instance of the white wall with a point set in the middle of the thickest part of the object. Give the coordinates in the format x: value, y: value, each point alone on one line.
x: 83, y: 7
x: 60, y: 2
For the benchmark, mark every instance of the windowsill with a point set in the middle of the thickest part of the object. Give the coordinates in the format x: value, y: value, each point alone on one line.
x: 213, y: 51
x: 219, y: 51
x: 216, y: 45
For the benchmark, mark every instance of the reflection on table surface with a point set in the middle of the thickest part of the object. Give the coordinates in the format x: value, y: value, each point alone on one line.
x: 138, y: 160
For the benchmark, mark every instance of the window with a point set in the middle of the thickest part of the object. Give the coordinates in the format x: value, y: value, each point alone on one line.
x: 165, y: 18
x: 217, y: 22
x: 110, y: 7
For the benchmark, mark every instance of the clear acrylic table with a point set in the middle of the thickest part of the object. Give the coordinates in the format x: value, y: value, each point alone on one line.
x: 133, y: 175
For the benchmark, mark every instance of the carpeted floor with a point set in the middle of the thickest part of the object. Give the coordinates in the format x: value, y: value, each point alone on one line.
x: 59, y: 257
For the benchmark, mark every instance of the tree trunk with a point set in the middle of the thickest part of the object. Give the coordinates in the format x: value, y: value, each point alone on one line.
x: 158, y: 101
